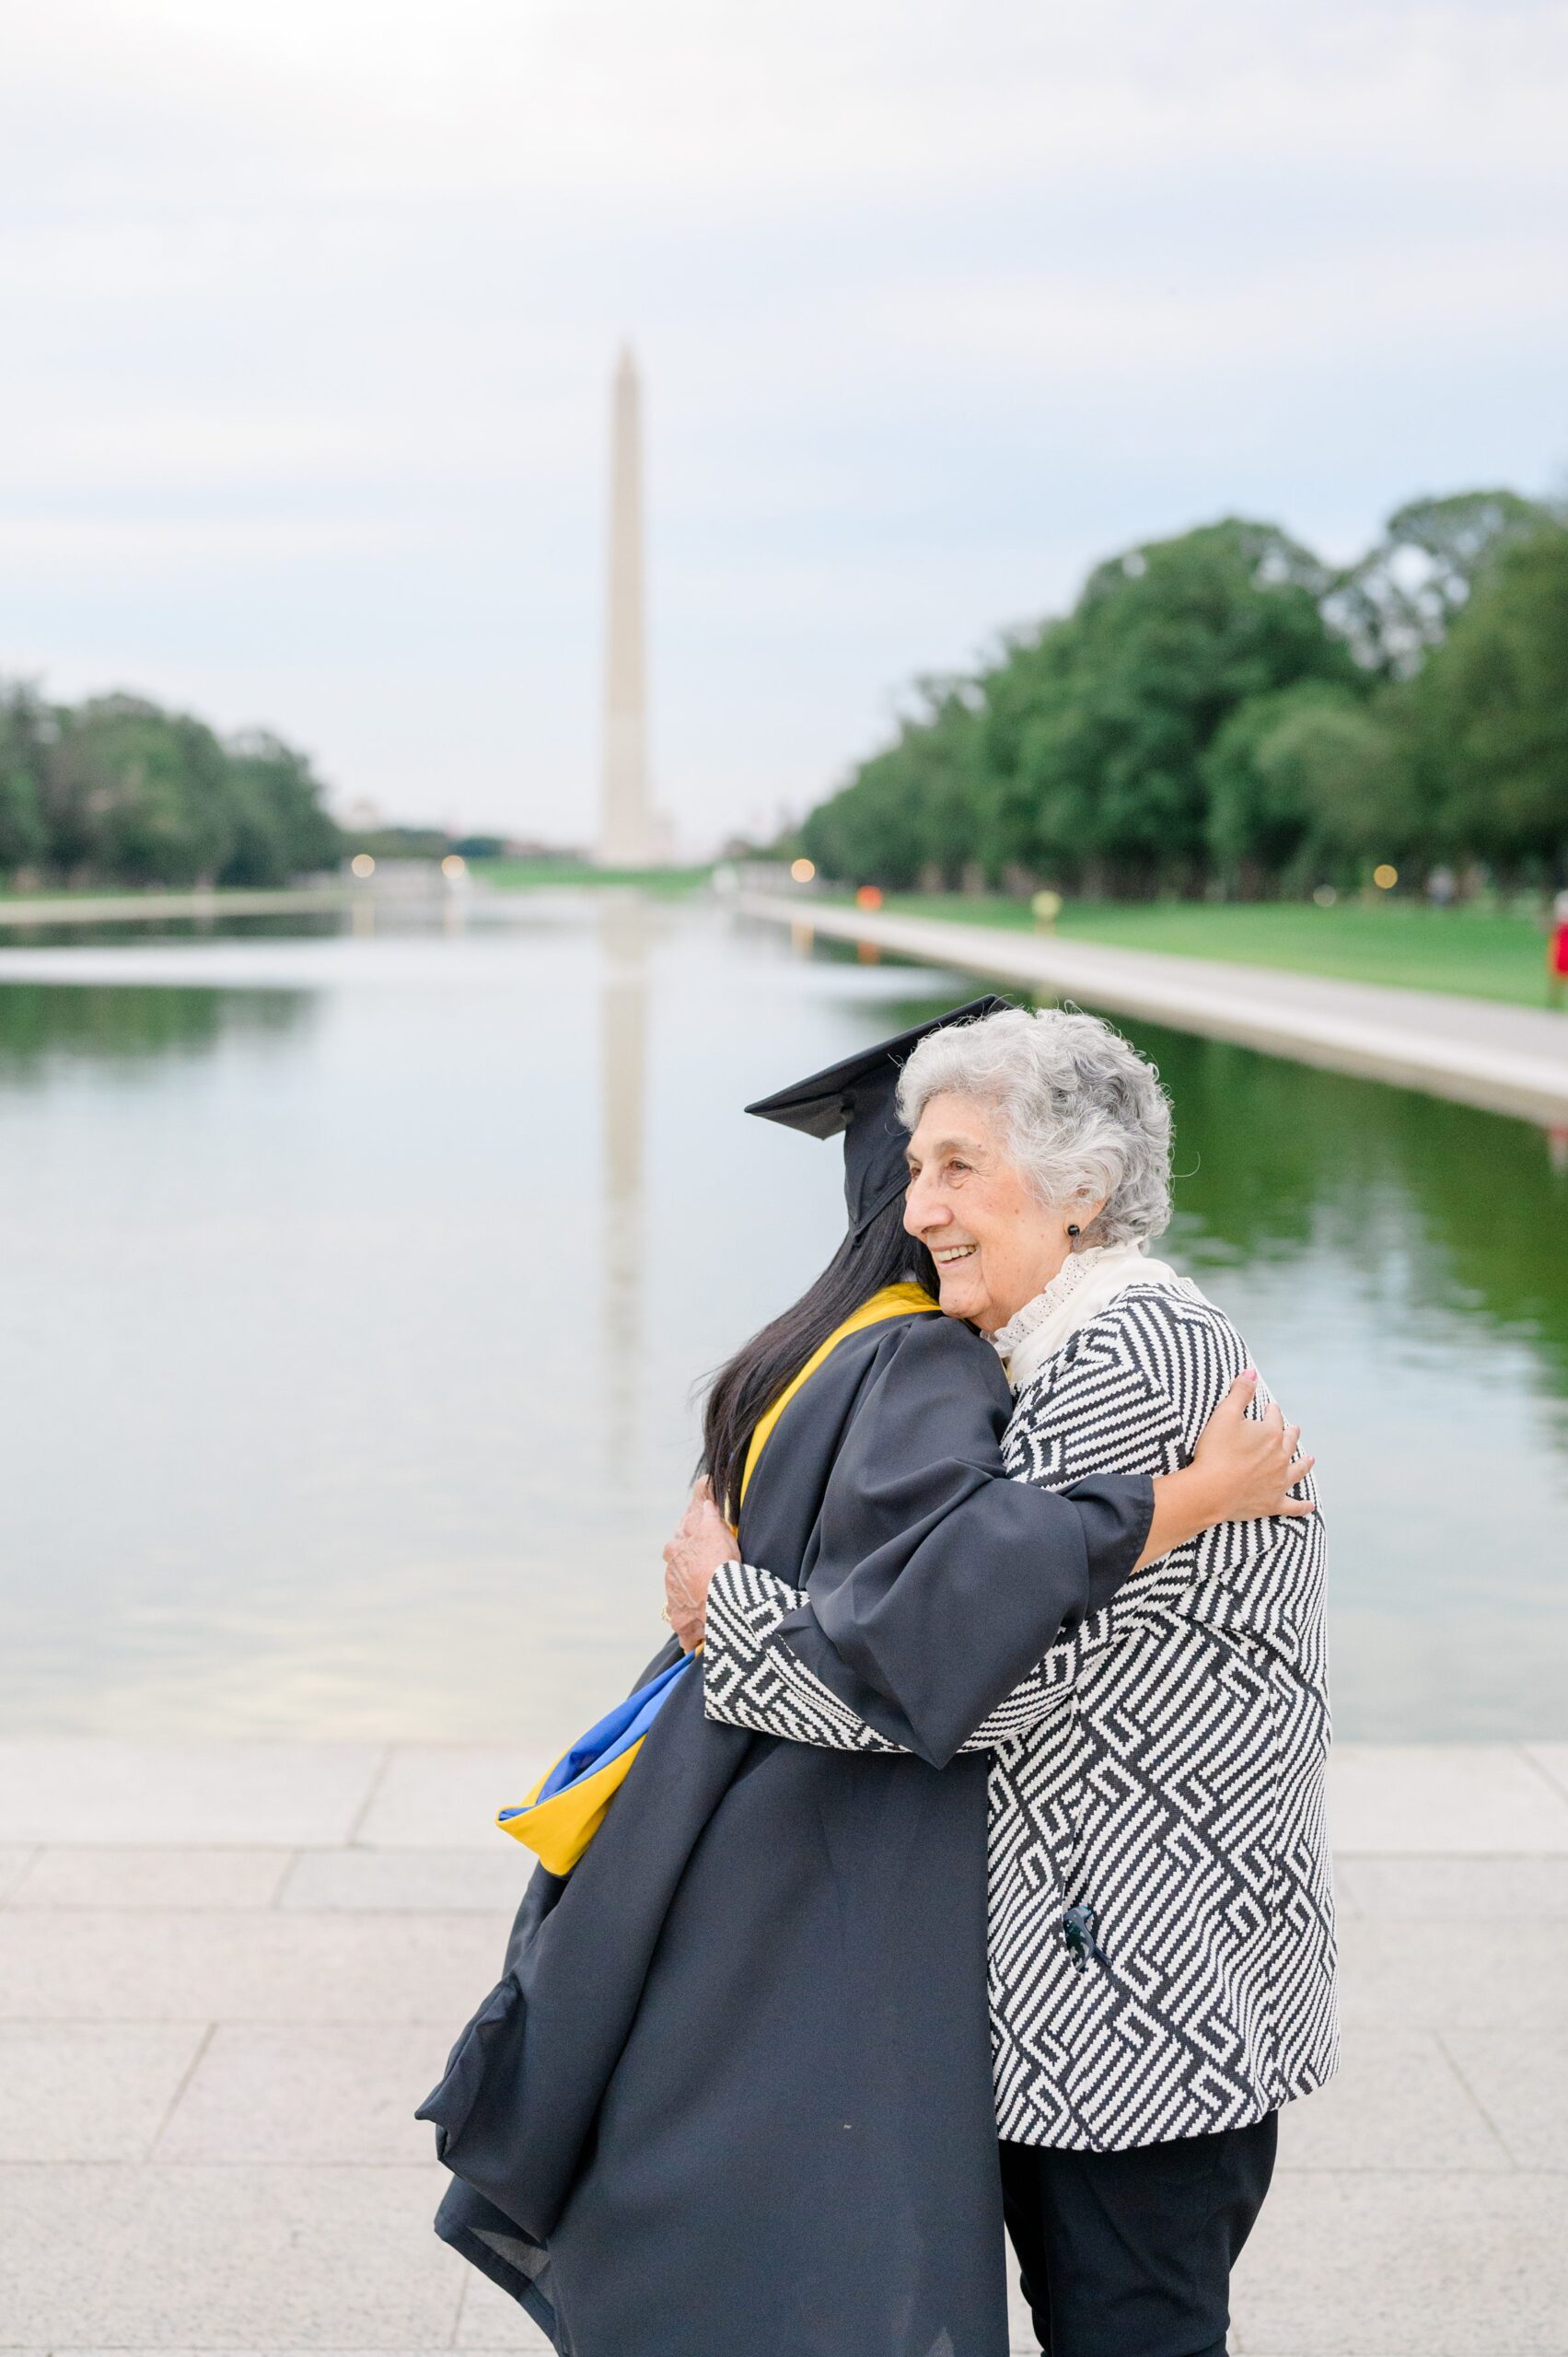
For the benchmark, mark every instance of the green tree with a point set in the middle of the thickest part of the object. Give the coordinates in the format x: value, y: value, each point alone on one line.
x: 1488, y: 714
x: 1402, y: 598
x: 280, y: 828
x: 1220, y: 702
x: 910, y: 808
x: 123, y: 791
x: 24, y: 741
x: 138, y: 794
x: 1106, y: 719
x: 1308, y: 782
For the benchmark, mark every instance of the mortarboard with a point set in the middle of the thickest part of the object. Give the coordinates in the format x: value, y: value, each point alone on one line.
x: 856, y: 1096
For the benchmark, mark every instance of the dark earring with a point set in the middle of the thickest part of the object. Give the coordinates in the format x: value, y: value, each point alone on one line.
x: 1074, y: 1230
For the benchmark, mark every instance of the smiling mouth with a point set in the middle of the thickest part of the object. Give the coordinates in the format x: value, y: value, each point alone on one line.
x: 953, y: 1253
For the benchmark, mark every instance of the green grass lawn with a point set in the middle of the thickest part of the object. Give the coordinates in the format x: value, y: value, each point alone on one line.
x: 528, y: 875
x: 1474, y: 953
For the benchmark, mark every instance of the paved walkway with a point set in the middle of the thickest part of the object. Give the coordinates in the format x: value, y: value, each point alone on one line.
x: 1509, y: 1059
x: 228, y: 1973
x: 157, y: 908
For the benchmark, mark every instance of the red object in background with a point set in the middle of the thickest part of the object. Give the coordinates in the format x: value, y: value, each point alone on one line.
x: 1557, y: 952
x: 870, y: 897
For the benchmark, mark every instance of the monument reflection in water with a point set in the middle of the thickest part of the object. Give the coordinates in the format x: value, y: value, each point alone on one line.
x: 623, y: 1020
x: 354, y: 1292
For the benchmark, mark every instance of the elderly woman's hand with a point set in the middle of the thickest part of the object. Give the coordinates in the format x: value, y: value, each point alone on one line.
x: 1243, y: 1467
x: 1250, y: 1466
x: 702, y: 1542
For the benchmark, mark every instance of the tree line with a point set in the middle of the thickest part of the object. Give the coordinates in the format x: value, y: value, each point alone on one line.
x: 118, y: 791
x: 1223, y: 712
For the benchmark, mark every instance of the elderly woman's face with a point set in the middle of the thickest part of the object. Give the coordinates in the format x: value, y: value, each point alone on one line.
x: 994, y: 1243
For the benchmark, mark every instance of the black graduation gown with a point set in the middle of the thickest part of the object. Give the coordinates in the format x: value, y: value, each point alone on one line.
x: 733, y: 2092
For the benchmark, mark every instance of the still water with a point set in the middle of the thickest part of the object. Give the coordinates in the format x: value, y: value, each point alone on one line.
x: 353, y: 1292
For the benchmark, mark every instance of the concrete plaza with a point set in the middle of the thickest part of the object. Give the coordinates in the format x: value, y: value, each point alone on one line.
x: 228, y: 1972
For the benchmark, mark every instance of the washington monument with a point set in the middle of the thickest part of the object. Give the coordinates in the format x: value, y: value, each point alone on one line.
x: 632, y: 834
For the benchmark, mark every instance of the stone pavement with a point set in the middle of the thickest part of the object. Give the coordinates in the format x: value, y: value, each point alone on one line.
x: 1508, y: 1059
x: 228, y: 1973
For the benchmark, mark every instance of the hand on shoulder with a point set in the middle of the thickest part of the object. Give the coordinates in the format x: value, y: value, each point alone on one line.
x: 1248, y: 1466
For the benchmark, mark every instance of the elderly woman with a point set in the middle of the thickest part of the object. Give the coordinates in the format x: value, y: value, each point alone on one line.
x: 1161, y: 1946
x: 732, y: 2092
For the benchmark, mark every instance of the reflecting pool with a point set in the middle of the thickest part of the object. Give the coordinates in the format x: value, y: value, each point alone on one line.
x: 353, y: 1292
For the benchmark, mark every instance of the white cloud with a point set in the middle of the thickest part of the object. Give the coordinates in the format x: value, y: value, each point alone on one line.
x: 696, y: 98
x: 310, y: 306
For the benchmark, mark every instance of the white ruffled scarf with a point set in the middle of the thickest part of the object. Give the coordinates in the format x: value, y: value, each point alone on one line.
x: 1086, y: 1283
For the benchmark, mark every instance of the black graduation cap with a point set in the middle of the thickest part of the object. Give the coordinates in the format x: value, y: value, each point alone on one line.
x: 857, y: 1096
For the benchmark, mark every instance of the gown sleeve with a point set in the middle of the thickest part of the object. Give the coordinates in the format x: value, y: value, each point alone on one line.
x: 936, y: 1583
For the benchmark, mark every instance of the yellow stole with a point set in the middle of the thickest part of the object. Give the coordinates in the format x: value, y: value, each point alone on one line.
x: 559, y: 1830
x: 893, y: 1301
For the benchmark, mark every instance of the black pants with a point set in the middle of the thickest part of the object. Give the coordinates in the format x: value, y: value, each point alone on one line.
x: 1129, y: 2254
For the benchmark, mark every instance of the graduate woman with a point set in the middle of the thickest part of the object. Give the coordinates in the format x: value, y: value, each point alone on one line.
x: 733, y: 2090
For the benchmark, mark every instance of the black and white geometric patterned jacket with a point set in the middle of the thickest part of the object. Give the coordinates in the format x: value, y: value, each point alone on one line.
x: 1161, y: 1938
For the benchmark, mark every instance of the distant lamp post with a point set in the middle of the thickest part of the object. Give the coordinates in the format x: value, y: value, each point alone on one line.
x: 802, y: 870
x: 362, y: 865
x: 1047, y: 907
x: 1384, y: 876
x: 454, y: 867
x: 868, y: 897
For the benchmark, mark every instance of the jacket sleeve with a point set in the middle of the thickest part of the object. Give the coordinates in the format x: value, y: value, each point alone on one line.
x: 1135, y: 1391
x: 937, y: 1582
x: 751, y: 1679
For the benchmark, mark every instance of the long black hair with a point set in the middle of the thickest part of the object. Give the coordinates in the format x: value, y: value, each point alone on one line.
x: 743, y: 1391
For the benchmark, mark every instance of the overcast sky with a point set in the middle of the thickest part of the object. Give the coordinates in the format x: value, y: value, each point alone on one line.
x: 310, y: 307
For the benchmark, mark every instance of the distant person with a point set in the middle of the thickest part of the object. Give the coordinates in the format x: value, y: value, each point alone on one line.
x: 733, y: 2092
x: 1557, y: 952
x: 1162, y: 1957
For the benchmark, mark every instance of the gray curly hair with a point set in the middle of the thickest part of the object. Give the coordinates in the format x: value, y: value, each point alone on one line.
x: 1085, y: 1114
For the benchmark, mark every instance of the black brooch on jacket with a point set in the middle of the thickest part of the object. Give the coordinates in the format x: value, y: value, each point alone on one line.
x: 1079, y: 1926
